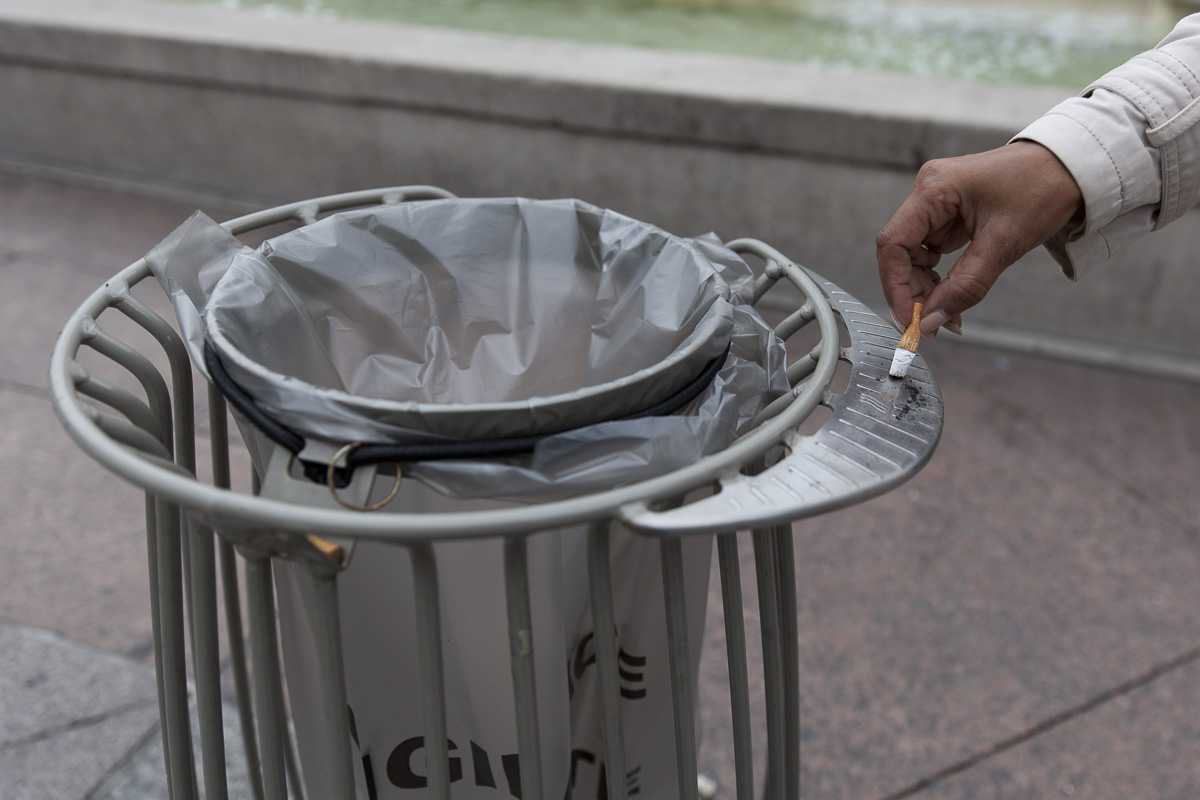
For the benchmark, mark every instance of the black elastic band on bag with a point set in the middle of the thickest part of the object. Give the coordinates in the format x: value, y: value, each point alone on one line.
x: 283, y: 436
x: 427, y: 451
x: 520, y: 445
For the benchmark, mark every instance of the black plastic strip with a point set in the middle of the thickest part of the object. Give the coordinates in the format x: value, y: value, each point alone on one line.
x: 685, y: 395
x: 427, y: 451
x: 518, y: 445
x: 281, y: 435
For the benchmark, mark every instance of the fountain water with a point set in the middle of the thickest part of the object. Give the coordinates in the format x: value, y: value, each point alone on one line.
x: 1054, y: 42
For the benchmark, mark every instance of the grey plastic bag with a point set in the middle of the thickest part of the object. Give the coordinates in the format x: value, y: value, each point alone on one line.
x: 470, y: 320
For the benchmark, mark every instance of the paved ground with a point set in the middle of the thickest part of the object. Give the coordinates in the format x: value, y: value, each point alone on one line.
x: 1018, y: 621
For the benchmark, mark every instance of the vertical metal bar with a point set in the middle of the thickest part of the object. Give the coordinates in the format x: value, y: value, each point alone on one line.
x: 429, y: 652
x: 331, y: 672
x: 789, y: 634
x: 682, y: 693
x: 604, y: 628
x: 291, y: 758
x: 268, y: 691
x: 156, y: 631
x: 183, y: 403
x: 206, y: 657
x: 181, y: 373
x: 238, y: 663
x: 739, y: 674
x: 170, y: 602
x: 218, y: 425
x: 218, y: 438
x: 189, y: 606
x: 520, y: 637
x: 768, y: 609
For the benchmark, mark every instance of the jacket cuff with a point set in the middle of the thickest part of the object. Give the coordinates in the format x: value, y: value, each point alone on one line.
x: 1162, y: 85
x: 1101, y: 141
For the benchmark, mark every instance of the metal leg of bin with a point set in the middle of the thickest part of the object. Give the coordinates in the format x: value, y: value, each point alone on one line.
x: 604, y: 628
x: 433, y: 687
x: 218, y: 424
x: 789, y: 633
x: 206, y: 658
x: 291, y: 757
x: 327, y: 634
x: 170, y: 602
x: 238, y: 664
x: 520, y: 635
x: 739, y: 676
x: 682, y: 694
x: 156, y: 630
x: 268, y: 690
x: 768, y: 609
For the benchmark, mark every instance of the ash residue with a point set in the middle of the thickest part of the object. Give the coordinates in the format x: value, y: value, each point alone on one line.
x: 914, y: 399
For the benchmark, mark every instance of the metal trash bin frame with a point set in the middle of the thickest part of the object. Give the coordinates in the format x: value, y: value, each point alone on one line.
x: 880, y: 433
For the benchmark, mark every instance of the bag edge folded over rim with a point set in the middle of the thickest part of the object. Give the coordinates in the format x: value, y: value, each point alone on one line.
x: 396, y: 420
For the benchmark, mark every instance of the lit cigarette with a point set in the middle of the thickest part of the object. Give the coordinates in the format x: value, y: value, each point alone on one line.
x: 907, y: 349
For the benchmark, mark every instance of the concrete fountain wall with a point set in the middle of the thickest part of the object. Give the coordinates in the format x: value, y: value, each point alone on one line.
x: 211, y: 104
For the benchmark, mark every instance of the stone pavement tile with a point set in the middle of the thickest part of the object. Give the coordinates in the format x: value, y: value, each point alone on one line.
x: 1141, y: 431
x: 1143, y: 744
x: 75, y: 536
x: 97, y: 232
x: 70, y: 764
x: 1009, y: 581
x: 49, y: 684
x: 44, y: 289
x: 36, y: 303
x: 144, y: 777
x: 68, y: 714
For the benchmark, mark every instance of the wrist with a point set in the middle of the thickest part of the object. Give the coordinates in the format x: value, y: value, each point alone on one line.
x: 1054, y: 188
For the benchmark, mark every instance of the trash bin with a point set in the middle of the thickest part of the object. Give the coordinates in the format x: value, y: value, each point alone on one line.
x: 481, y: 429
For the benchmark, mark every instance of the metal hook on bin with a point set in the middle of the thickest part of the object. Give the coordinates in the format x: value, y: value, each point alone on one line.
x: 330, y: 481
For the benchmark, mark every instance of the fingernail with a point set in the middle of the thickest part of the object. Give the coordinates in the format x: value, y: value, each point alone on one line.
x: 954, y: 328
x: 931, y: 322
x: 900, y: 326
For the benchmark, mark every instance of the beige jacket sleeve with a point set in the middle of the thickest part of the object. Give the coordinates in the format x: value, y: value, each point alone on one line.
x: 1132, y: 142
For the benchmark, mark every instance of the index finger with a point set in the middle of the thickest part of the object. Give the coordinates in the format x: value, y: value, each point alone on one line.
x: 913, y: 222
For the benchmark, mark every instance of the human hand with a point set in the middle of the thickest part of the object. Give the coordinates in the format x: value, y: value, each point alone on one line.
x: 1001, y: 204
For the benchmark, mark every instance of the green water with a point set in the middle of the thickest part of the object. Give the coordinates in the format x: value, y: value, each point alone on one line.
x: 1049, y: 43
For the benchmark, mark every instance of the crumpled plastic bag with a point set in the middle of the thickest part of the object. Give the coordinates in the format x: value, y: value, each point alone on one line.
x: 479, y: 319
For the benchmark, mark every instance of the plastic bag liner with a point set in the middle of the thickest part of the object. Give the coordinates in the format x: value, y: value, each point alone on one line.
x: 477, y: 320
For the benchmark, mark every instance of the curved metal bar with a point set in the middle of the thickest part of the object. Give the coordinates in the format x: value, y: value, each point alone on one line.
x: 123, y: 402
x: 181, y: 371
x: 224, y: 509
x: 133, y: 437
x: 333, y: 202
x: 157, y: 395
x: 882, y: 432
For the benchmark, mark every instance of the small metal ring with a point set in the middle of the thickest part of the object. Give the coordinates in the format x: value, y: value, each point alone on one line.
x: 330, y: 474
